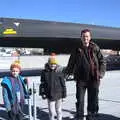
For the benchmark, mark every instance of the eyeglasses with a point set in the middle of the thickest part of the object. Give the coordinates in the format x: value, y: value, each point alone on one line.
x: 15, y: 71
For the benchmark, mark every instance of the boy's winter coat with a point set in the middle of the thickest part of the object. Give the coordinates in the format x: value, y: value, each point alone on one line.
x: 8, y: 93
x: 52, y: 84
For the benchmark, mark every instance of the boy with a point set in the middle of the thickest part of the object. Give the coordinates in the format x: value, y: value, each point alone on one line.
x: 53, y: 87
x: 14, y: 92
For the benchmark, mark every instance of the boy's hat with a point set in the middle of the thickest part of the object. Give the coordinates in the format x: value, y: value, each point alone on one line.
x: 15, y: 64
x: 52, y: 59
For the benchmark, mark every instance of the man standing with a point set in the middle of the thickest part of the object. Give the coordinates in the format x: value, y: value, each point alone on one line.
x: 88, y: 66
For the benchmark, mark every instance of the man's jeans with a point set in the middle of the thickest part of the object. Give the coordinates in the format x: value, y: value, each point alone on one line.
x: 55, y: 107
x: 92, y: 99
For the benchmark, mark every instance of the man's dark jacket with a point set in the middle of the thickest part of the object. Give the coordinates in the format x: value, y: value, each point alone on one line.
x: 79, y: 65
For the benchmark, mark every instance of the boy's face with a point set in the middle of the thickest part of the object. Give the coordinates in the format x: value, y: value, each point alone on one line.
x: 15, y: 71
x: 53, y: 66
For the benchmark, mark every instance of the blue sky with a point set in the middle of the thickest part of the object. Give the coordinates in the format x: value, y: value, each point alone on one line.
x: 97, y: 12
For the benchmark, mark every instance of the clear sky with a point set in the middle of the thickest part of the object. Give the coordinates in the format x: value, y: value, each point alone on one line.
x: 97, y: 12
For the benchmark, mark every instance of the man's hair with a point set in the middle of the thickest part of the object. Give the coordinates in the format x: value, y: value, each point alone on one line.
x: 85, y: 30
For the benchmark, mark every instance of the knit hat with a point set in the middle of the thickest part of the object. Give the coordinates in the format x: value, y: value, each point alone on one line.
x: 15, y: 64
x: 52, y: 59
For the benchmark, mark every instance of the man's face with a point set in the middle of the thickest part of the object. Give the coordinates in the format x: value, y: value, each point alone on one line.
x: 86, y: 37
x: 15, y: 72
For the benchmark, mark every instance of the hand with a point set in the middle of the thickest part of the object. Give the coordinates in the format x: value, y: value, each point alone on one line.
x: 101, y: 76
x: 70, y: 77
x: 26, y: 81
x: 44, y: 96
x: 63, y: 100
x: 30, y: 91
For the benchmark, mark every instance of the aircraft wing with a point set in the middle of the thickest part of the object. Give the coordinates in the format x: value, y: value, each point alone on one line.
x: 53, y: 35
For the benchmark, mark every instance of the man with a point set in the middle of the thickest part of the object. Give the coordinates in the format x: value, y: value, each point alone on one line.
x: 53, y: 87
x: 88, y: 66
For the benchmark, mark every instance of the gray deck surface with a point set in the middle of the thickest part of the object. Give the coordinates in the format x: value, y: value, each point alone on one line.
x: 109, y: 99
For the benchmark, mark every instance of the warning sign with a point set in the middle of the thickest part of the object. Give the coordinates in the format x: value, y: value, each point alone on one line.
x: 9, y: 31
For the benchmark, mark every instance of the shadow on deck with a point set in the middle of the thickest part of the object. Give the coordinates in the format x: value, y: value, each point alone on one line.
x: 42, y: 115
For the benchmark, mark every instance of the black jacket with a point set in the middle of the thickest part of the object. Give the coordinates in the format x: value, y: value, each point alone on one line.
x: 52, y: 84
x: 79, y: 64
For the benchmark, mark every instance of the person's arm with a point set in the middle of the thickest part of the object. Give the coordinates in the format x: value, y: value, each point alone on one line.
x: 25, y: 85
x: 6, y: 99
x: 64, y: 93
x: 42, y: 86
x: 70, y: 67
x: 102, y: 63
x: 42, y: 77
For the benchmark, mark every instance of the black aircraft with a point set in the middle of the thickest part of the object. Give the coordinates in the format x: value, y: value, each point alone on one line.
x: 55, y: 36
x: 59, y: 37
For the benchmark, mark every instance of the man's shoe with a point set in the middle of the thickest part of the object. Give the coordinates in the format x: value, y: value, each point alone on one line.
x: 79, y: 116
x: 79, y: 119
x: 91, y: 117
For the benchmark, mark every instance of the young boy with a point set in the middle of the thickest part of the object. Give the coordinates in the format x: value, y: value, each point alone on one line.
x: 14, y: 92
x: 53, y: 87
